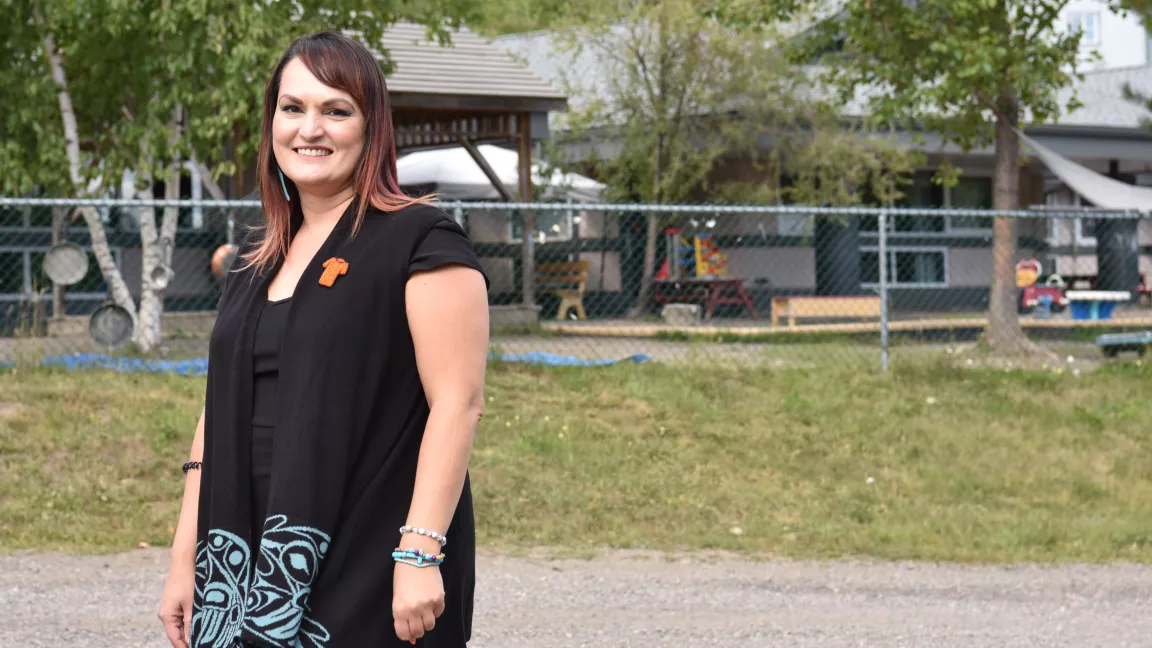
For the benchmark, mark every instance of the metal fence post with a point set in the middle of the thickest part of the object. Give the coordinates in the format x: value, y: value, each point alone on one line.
x: 882, y: 258
x: 573, y: 228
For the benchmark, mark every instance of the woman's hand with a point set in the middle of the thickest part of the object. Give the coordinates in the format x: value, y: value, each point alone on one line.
x: 176, y: 602
x: 417, y: 594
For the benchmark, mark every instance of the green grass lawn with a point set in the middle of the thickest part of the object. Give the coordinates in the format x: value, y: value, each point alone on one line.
x: 930, y: 462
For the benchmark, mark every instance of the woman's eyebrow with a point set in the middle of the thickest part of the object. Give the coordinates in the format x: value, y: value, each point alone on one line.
x: 330, y: 102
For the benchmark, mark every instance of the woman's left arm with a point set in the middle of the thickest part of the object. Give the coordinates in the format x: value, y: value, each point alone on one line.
x: 448, y: 315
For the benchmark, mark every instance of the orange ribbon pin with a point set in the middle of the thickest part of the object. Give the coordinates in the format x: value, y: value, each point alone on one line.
x: 333, y: 268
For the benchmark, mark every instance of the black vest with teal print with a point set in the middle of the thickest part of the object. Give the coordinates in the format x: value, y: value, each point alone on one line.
x: 350, y: 420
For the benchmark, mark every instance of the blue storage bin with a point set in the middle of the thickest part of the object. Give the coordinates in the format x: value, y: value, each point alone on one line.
x: 1092, y: 310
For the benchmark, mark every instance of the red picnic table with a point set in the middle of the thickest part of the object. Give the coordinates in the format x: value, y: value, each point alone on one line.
x: 709, y: 292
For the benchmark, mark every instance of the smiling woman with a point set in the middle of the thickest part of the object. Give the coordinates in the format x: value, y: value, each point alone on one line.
x: 327, y: 134
x: 317, y: 138
x: 345, y: 382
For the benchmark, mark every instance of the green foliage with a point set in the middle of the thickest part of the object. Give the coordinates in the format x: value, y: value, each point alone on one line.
x: 129, y: 64
x: 676, y: 91
x: 515, y: 16
x: 918, y: 74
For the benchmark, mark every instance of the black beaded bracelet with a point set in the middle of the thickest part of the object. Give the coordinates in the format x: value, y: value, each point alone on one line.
x: 190, y: 465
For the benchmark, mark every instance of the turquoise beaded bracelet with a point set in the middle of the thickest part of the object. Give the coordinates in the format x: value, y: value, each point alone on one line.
x: 417, y: 557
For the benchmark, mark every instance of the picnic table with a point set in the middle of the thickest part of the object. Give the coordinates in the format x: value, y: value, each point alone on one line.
x: 709, y: 292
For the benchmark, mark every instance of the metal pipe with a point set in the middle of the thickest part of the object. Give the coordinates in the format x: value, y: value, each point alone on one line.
x: 632, y: 207
x: 882, y: 228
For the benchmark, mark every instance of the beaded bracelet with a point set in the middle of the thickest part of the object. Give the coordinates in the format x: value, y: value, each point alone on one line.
x: 190, y: 465
x: 417, y: 557
x: 425, y: 532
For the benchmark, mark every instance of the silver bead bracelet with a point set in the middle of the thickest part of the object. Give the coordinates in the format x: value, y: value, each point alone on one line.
x: 425, y: 532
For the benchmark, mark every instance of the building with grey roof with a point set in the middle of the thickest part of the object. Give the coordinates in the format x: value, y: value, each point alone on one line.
x: 1107, y: 134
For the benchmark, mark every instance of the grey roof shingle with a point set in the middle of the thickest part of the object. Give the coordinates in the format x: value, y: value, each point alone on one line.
x: 1101, y: 92
x: 583, y: 73
x: 471, y: 66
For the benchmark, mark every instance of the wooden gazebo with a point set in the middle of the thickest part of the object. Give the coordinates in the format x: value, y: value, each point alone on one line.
x: 465, y: 94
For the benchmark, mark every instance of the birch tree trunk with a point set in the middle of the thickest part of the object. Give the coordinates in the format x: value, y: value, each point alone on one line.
x: 144, y: 336
x: 99, y: 240
x: 155, y: 252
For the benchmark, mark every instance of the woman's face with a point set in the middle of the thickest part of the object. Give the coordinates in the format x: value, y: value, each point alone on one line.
x: 317, y: 133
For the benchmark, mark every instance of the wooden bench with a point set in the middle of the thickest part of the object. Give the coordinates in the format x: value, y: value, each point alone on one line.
x: 862, y: 306
x: 566, y: 280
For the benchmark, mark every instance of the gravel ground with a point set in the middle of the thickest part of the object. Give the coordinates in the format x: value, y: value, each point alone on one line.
x: 648, y: 601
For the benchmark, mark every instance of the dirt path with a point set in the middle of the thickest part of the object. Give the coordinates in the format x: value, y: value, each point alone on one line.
x: 646, y: 601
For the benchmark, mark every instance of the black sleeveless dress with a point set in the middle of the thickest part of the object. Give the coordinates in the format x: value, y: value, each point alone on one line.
x: 314, y: 418
x: 265, y: 372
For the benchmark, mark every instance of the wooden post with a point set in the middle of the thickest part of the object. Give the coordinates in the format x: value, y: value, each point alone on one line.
x: 527, y: 218
x: 486, y: 168
x: 59, y: 216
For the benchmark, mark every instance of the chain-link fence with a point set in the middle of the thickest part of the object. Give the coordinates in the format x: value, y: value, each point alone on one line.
x: 772, y: 285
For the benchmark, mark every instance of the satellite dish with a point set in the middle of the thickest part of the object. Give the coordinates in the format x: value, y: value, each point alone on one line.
x: 66, y: 263
x: 223, y: 258
x: 110, y: 325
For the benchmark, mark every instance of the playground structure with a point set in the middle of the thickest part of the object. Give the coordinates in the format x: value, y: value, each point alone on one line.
x: 1077, y: 293
x: 696, y: 271
x: 699, y: 258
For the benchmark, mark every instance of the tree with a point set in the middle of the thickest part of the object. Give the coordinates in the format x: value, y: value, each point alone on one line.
x: 147, y: 85
x: 968, y: 70
x: 678, y: 90
x: 499, y: 17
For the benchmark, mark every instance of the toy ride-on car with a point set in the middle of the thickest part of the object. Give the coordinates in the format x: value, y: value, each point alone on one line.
x: 1050, y: 292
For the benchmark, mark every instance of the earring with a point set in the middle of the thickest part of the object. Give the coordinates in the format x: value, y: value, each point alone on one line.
x: 282, y: 185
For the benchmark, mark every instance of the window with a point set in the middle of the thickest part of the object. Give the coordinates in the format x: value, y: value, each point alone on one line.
x: 870, y: 267
x: 922, y: 192
x: 906, y: 266
x: 1086, y: 23
x: 971, y: 193
x: 554, y: 225
x: 794, y: 224
x: 918, y: 267
x: 1085, y: 231
x: 13, y: 216
x: 11, y: 273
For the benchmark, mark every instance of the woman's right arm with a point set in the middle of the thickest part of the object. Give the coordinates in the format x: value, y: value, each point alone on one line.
x: 184, y: 544
x: 176, y: 601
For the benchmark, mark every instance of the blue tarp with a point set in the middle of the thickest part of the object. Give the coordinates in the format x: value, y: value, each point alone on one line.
x: 199, y: 366
x: 553, y: 360
x: 193, y: 367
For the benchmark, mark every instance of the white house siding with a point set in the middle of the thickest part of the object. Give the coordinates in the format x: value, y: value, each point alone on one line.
x: 783, y: 267
x: 1120, y: 41
x: 603, y: 271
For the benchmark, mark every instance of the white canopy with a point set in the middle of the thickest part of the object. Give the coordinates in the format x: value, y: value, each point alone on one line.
x: 454, y: 175
x: 1099, y: 189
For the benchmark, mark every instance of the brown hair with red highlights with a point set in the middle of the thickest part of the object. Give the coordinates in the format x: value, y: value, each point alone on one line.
x: 342, y: 63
